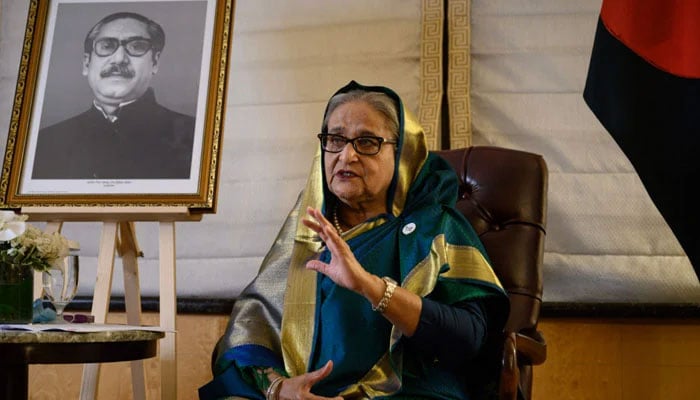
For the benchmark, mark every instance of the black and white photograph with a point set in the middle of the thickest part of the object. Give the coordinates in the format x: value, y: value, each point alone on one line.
x: 120, y: 105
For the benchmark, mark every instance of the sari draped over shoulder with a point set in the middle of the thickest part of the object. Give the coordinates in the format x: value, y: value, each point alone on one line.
x: 294, y: 319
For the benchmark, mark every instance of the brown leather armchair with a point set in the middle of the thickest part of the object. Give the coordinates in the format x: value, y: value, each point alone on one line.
x: 503, y: 193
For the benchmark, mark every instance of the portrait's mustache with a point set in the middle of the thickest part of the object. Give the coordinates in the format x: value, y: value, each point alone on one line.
x: 117, y: 70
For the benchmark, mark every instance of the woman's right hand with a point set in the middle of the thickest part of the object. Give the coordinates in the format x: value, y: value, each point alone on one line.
x: 343, y: 268
x: 299, y: 387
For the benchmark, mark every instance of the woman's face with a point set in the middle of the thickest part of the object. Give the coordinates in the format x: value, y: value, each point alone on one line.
x: 360, y: 181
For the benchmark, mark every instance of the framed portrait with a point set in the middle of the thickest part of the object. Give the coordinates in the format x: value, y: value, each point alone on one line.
x: 119, y: 103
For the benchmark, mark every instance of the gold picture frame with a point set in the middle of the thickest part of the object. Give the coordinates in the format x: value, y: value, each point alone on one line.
x: 65, y: 150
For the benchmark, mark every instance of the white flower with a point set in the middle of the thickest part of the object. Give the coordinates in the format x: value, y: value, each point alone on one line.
x: 51, y: 246
x: 11, y: 225
x: 27, y: 247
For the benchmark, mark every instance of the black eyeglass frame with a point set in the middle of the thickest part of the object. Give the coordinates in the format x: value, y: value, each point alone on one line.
x: 381, y: 140
x: 122, y: 43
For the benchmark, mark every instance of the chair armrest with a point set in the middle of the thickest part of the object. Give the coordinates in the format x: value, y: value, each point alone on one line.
x: 519, y: 349
x: 510, y: 373
x: 534, y: 350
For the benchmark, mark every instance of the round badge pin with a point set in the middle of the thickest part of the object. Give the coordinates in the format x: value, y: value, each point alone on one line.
x: 408, y: 228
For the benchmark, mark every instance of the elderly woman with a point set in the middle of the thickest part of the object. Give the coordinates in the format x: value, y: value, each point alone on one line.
x: 376, y: 286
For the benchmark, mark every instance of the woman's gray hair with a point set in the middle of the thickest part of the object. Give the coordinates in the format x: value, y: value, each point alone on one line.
x: 379, y: 101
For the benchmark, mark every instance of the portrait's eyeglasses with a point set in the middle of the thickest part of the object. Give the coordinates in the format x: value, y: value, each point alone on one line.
x: 135, y: 47
x: 365, y: 145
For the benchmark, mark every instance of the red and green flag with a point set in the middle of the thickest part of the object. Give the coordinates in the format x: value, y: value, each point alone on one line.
x: 643, y: 85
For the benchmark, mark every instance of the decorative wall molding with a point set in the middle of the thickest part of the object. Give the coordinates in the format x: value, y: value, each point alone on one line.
x: 431, y: 71
x: 459, y: 72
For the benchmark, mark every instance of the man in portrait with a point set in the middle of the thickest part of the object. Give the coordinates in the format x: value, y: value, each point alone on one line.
x: 125, y: 134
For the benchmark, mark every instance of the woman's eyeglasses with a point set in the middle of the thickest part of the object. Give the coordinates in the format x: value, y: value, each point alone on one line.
x: 135, y: 47
x: 365, y: 145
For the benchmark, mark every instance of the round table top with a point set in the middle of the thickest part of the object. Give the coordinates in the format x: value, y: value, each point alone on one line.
x: 60, y: 347
x: 55, y: 336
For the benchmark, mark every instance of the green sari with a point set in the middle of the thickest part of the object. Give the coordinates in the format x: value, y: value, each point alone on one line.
x: 423, y: 243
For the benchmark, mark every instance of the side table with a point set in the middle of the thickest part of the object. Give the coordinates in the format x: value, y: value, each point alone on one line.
x: 21, y: 348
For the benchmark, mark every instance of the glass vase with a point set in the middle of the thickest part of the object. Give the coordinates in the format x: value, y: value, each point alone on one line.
x: 16, y: 292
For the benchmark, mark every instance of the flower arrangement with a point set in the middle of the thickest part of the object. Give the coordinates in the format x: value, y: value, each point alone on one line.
x: 25, y: 248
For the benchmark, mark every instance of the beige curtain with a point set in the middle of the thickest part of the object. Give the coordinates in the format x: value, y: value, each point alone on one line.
x: 515, y: 75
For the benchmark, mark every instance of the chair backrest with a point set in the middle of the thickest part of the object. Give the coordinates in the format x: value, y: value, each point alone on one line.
x: 503, y: 193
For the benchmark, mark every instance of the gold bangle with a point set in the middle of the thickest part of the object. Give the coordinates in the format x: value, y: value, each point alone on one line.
x: 388, y: 292
x: 273, y: 391
x: 278, y: 389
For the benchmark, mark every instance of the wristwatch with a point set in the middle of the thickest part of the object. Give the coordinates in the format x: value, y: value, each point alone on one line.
x: 386, y: 298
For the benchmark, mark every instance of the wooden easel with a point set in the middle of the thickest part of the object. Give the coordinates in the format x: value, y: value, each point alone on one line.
x: 120, y: 220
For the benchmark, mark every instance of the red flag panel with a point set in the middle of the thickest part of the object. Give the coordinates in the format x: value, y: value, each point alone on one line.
x: 663, y: 32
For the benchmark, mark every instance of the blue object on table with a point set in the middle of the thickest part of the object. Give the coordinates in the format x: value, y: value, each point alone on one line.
x: 41, y: 314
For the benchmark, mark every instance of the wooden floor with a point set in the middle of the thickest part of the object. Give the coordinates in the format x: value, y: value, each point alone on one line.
x: 613, y: 359
x: 591, y: 360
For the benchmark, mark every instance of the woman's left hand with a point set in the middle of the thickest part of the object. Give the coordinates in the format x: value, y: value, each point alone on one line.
x: 299, y: 387
x: 344, y: 269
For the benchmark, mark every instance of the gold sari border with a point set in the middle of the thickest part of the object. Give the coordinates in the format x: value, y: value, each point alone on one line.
x: 467, y: 262
x: 300, y: 295
x: 413, y: 146
x: 381, y: 380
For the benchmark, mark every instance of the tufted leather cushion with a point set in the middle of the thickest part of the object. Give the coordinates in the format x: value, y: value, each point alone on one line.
x: 503, y: 193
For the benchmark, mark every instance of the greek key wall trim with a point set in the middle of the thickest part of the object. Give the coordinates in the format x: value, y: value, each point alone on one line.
x: 431, y: 71
x: 459, y: 71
